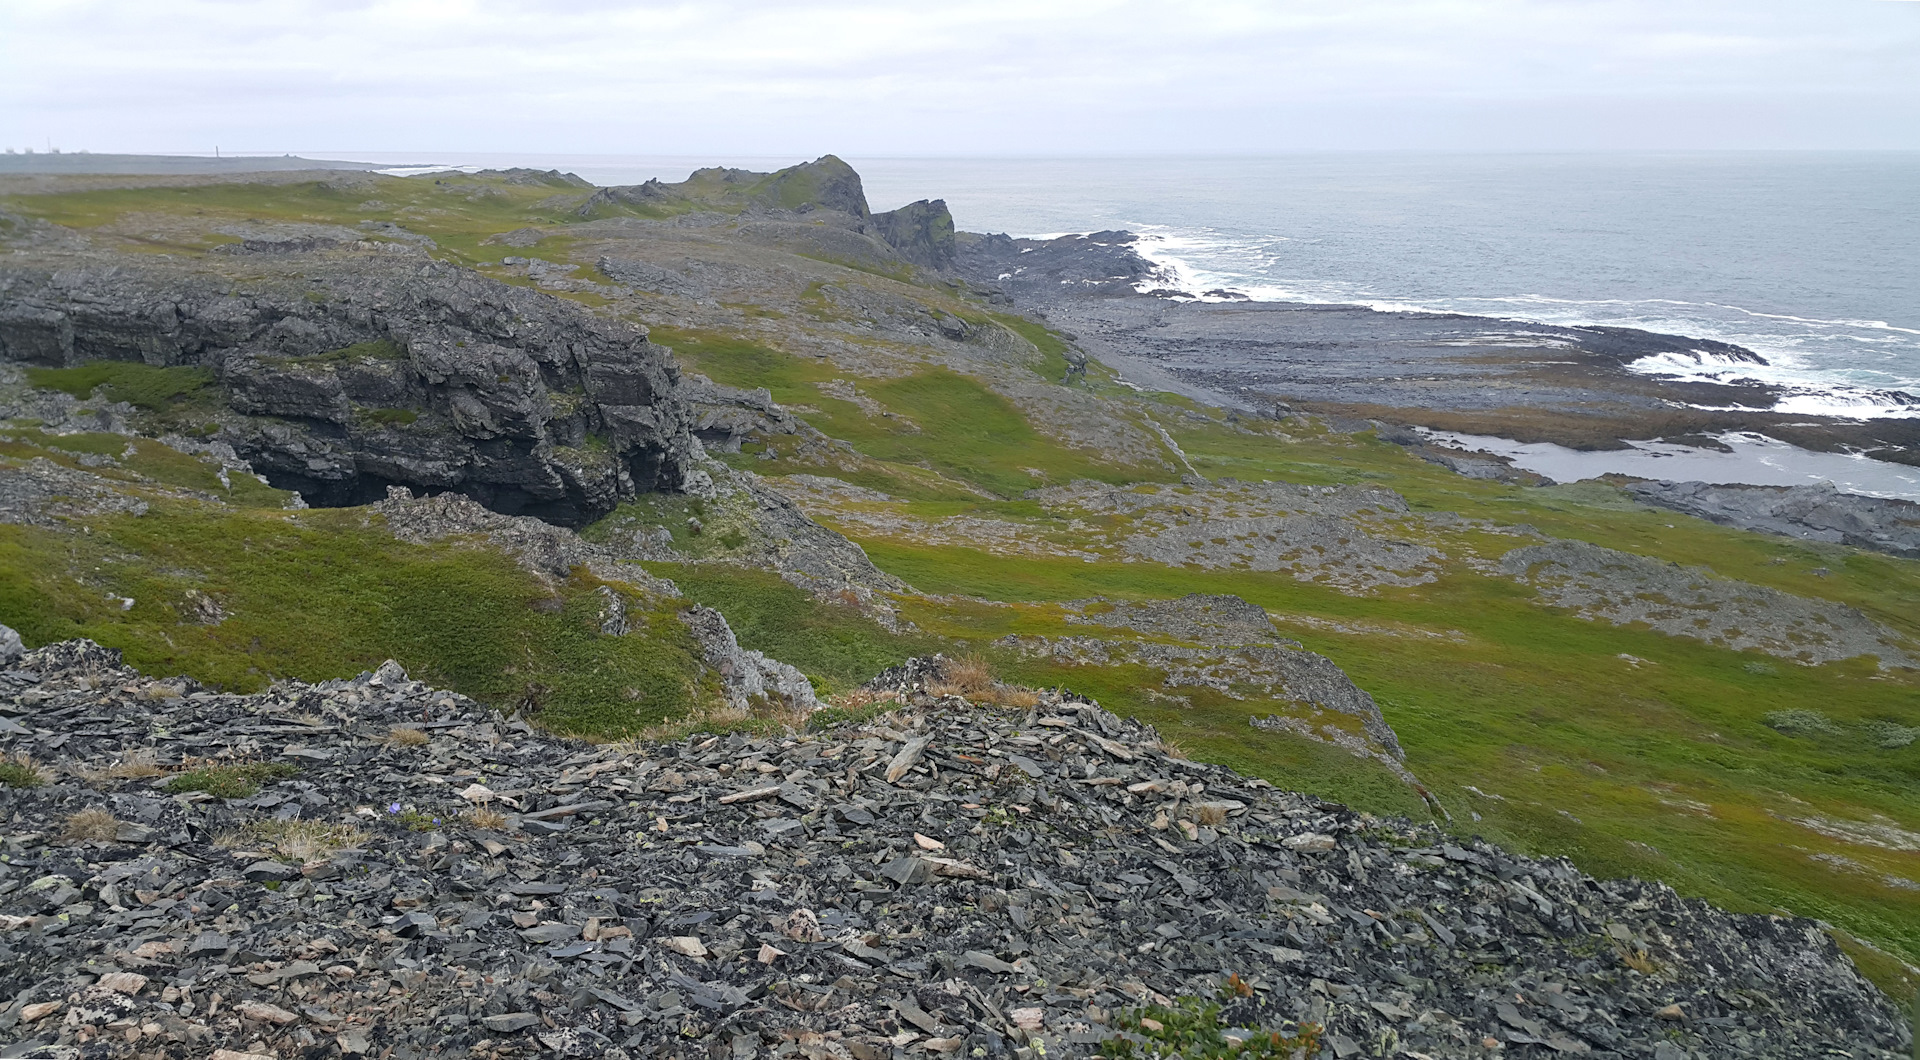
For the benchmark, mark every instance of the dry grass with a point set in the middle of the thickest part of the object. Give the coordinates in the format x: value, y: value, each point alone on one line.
x: 21, y: 771
x: 861, y: 698
x: 300, y: 841
x: 486, y: 818
x: 782, y: 712
x: 1024, y: 698
x: 142, y: 763
x: 969, y: 677
x: 92, y: 824
x: 1211, y: 814
x: 970, y: 674
x: 407, y: 736
x: 712, y: 717
x: 1172, y: 749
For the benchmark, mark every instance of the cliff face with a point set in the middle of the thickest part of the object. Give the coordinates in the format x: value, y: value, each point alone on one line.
x: 922, y: 232
x: 365, y: 369
x: 826, y: 189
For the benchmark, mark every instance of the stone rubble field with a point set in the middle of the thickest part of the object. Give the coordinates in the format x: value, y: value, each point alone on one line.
x: 376, y: 868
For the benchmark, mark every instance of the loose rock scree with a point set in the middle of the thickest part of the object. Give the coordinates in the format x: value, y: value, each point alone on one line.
x: 947, y: 879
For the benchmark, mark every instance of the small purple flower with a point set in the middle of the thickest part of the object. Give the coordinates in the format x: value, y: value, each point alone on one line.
x: 393, y: 808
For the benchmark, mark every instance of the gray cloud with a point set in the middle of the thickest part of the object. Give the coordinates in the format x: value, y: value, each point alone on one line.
x: 995, y: 76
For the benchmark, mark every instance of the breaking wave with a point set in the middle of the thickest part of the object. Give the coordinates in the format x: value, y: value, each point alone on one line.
x: 1854, y: 368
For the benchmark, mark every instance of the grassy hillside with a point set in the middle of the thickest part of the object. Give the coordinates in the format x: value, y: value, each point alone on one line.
x: 1758, y: 782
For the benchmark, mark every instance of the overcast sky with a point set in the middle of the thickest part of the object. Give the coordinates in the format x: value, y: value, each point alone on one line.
x: 801, y: 77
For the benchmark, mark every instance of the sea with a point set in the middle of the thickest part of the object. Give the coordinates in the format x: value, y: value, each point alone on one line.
x: 1809, y: 259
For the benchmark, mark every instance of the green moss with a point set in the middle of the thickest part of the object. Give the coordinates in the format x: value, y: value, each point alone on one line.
x: 324, y: 594
x: 833, y: 643
x: 140, y: 385
x: 376, y: 349
x: 229, y: 782
x: 386, y: 417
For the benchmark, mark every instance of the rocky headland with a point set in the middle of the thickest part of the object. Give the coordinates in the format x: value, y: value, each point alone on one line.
x: 1476, y: 375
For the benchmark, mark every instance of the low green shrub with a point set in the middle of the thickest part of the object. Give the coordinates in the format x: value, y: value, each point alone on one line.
x: 21, y: 772
x: 1192, y: 1029
x: 1798, y: 721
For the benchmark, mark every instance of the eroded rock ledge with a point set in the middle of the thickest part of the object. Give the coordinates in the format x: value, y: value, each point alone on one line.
x: 942, y: 880
x: 342, y: 370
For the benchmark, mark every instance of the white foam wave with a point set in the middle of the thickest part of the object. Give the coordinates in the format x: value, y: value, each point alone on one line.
x: 1817, y: 360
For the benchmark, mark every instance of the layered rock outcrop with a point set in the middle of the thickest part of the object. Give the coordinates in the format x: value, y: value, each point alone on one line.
x: 340, y: 373
x: 826, y: 189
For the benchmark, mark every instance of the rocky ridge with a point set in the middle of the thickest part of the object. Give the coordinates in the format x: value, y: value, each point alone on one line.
x: 1812, y: 513
x: 372, y: 366
x: 406, y: 874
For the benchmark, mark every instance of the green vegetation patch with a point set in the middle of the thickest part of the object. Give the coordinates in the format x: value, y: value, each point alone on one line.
x: 140, y: 385
x: 1194, y: 1028
x: 327, y: 594
x: 230, y: 782
x: 943, y: 421
x: 1053, y: 348
x: 138, y: 459
x: 834, y: 644
x: 20, y: 772
x: 386, y: 417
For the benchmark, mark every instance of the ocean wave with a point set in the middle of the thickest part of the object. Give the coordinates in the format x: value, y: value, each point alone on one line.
x: 1856, y: 368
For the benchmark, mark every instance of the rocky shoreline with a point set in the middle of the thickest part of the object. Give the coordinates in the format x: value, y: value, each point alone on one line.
x: 398, y: 872
x: 1475, y: 375
x: 1811, y: 513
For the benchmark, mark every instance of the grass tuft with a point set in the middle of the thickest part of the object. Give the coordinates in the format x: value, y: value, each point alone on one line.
x: 93, y: 824
x: 407, y: 736
x: 21, y: 771
x: 294, y: 841
x: 141, y: 763
x: 486, y: 818
x: 231, y: 781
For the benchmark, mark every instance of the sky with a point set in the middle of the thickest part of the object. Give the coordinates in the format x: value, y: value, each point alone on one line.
x: 988, y: 78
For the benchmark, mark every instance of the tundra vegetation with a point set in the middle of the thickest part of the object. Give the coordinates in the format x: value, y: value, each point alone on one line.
x: 1022, y: 497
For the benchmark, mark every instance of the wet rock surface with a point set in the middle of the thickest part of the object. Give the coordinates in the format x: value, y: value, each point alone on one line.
x: 1812, y: 513
x: 943, y: 879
